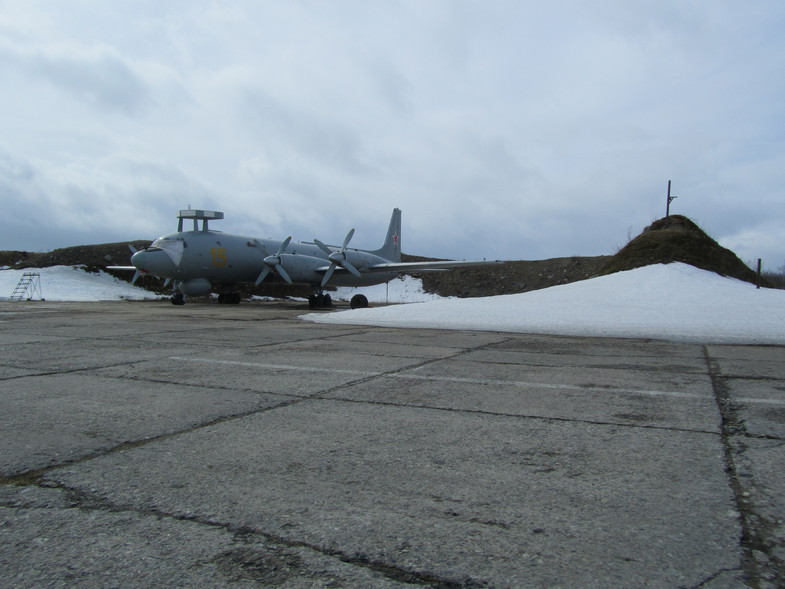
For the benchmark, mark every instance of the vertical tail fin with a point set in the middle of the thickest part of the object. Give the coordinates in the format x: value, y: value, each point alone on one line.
x: 391, y: 249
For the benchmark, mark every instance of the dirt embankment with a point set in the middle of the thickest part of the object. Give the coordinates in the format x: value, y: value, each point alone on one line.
x: 510, y: 277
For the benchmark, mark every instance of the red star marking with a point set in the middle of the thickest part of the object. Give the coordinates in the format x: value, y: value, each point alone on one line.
x: 395, y: 238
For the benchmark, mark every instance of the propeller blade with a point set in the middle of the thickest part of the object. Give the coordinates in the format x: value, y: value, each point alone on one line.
x: 262, y: 275
x: 338, y: 258
x: 347, y: 266
x: 283, y: 273
x: 137, y: 274
x: 273, y: 262
x: 260, y: 245
x: 328, y: 274
x: 284, y: 244
x: 348, y: 239
x: 132, y: 248
x: 323, y: 247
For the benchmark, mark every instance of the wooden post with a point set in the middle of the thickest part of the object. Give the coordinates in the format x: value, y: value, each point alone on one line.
x: 757, y: 284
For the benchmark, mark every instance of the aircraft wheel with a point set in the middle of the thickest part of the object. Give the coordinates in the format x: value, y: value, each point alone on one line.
x: 178, y: 299
x: 320, y: 301
x: 358, y: 302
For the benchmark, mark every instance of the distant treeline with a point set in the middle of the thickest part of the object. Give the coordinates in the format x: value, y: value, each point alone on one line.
x: 775, y: 279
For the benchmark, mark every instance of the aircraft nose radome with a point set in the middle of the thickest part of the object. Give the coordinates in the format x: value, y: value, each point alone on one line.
x: 153, y: 262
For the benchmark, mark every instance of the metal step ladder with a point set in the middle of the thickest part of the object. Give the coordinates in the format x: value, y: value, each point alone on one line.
x: 28, y: 288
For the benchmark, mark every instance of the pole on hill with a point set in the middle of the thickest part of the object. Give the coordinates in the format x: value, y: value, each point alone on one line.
x: 757, y: 284
x: 670, y: 198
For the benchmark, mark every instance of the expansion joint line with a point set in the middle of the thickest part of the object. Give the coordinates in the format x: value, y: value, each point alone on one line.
x: 754, y: 539
x: 36, y: 476
x: 91, y: 501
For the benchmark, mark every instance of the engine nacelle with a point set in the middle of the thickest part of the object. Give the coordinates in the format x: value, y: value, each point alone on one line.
x: 195, y: 287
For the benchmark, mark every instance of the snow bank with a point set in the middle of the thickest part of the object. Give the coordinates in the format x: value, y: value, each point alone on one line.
x: 72, y: 283
x: 400, y: 290
x: 672, y: 302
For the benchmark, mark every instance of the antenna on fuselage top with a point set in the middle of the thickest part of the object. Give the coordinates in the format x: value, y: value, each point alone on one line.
x: 197, y: 215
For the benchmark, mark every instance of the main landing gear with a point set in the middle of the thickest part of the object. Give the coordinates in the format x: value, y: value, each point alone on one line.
x: 323, y: 300
x: 358, y: 301
x: 320, y: 300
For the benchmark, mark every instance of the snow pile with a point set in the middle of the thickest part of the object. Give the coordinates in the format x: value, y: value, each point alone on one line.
x: 672, y: 302
x: 400, y: 290
x: 72, y: 283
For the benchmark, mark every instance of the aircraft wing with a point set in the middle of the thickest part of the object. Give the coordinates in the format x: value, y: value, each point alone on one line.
x: 427, y: 266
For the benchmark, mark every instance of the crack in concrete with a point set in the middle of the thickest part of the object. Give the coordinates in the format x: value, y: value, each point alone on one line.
x: 546, y: 418
x: 759, y: 562
x: 714, y: 576
x: 90, y: 501
x: 753, y: 537
x: 63, y: 371
x: 33, y: 477
x: 85, y: 500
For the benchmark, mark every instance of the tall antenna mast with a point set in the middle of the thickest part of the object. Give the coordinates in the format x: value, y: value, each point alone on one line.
x: 670, y: 198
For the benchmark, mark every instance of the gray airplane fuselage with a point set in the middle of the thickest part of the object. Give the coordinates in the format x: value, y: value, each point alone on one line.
x: 197, y: 260
x: 225, y: 258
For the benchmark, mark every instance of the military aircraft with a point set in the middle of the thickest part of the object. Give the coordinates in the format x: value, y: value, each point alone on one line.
x: 197, y: 260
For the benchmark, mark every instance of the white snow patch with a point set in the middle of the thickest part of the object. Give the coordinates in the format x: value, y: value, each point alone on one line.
x: 404, y: 289
x: 73, y: 283
x: 671, y: 302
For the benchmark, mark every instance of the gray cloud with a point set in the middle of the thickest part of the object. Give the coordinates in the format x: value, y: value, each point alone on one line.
x: 502, y: 129
x: 97, y: 75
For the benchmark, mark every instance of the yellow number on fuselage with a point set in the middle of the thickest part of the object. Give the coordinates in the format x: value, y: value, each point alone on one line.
x: 219, y: 256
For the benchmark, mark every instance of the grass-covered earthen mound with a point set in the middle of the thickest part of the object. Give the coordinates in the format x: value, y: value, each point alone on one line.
x: 678, y: 239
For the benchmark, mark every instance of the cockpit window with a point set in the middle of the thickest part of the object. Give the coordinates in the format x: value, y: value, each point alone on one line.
x: 165, y: 242
x: 172, y: 246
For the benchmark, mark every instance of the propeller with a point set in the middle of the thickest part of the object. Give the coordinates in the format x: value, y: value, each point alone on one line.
x: 337, y: 258
x: 273, y: 262
x: 137, y: 274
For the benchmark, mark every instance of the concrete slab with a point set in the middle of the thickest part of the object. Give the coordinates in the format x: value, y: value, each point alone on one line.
x: 221, y: 445
x: 49, y: 420
x: 94, y: 546
x: 464, y: 496
x: 669, y: 410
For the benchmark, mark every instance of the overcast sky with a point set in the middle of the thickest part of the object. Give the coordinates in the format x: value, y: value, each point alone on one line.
x: 502, y: 129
